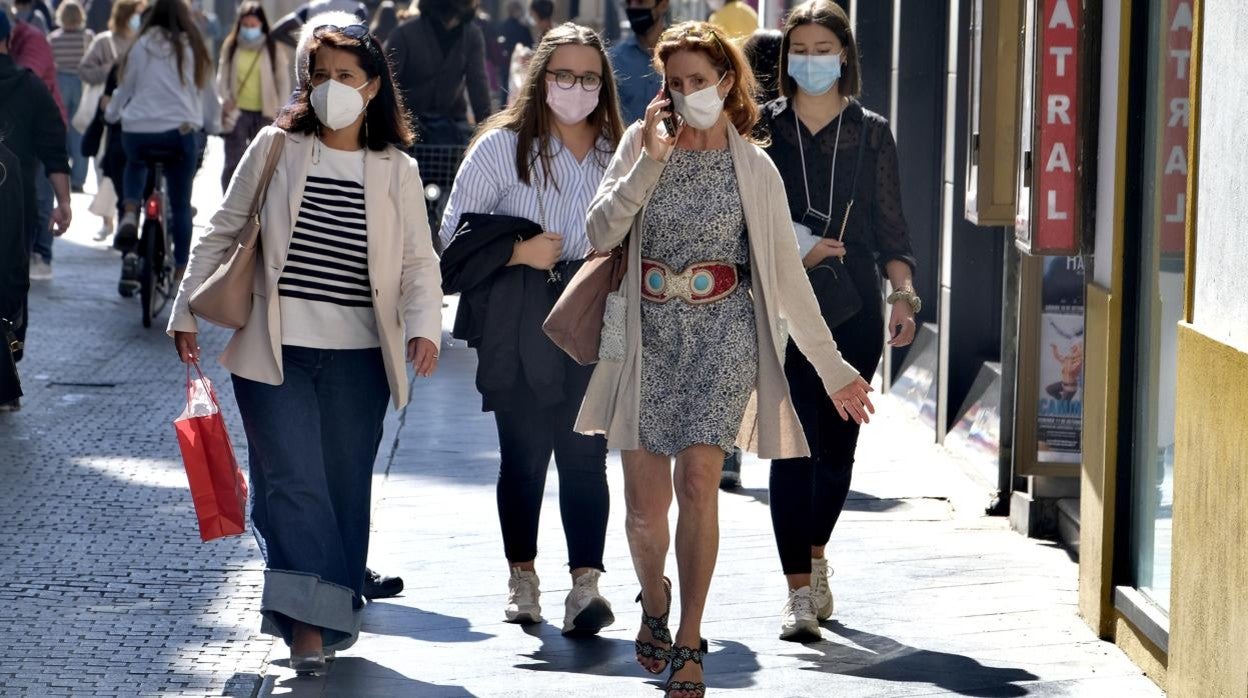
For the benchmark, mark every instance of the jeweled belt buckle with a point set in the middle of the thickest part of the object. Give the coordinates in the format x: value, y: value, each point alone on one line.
x: 698, y: 284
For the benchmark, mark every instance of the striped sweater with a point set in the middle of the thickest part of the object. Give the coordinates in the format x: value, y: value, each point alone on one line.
x: 68, y: 48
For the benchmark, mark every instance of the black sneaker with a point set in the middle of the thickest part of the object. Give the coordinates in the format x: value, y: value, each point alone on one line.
x: 730, y: 478
x: 379, y: 587
x: 129, y: 283
x: 127, y: 232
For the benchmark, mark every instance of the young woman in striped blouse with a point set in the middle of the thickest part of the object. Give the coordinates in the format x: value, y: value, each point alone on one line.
x: 543, y: 159
x: 347, y: 292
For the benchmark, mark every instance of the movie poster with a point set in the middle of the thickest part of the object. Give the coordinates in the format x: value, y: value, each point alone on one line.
x: 1059, y: 414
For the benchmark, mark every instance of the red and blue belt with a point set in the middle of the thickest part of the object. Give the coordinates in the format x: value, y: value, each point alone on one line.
x: 698, y: 284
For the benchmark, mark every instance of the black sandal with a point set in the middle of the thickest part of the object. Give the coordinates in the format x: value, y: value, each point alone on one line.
x: 680, y: 656
x: 659, y: 632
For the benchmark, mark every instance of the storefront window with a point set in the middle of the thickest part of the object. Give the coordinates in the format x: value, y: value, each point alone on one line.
x: 1161, y: 293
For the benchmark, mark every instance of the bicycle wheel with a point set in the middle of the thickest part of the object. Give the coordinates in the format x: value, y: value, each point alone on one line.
x: 147, y: 273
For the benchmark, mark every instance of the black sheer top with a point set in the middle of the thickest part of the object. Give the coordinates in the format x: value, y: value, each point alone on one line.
x: 876, y: 224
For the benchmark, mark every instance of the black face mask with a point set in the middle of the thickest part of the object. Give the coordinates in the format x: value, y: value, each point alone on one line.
x: 641, y: 19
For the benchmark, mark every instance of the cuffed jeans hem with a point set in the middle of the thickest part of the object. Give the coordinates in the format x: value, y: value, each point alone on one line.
x: 299, y: 596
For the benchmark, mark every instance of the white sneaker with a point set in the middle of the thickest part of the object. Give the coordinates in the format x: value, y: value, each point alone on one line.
x: 522, y: 596
x: 585, y: 610
x: 798, y: 623
x: 39, y: 269
x: 820, y: 591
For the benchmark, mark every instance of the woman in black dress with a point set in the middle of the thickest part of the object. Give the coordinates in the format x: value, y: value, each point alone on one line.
x: 839, y: 165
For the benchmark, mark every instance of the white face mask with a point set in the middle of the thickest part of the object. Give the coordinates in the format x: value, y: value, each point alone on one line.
x: 336, y: 104
x: 701, y: 109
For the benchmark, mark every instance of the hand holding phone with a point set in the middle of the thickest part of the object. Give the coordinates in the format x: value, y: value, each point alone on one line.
x: 669, y: 122
x: 657, y: 143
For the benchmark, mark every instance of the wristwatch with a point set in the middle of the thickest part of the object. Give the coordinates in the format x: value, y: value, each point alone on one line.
x: 908, y: 295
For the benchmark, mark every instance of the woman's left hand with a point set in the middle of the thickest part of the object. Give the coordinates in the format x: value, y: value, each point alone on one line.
x: 901, y: 327
x: 423, y: 355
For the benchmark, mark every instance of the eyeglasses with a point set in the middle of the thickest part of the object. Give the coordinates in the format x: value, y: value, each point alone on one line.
x: 359, y: 32
x: 566, y: 80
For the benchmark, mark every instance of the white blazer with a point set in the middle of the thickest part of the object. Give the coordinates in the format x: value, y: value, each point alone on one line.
x: 402, y: 265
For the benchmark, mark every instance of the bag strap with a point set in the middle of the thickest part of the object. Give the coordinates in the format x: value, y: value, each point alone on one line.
x: 270, y: 165
x: 250, y: 71
x: 212, y: 393
x: 853, y: 183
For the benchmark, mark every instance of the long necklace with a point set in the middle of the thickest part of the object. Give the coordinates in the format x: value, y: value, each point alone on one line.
x: 836, y: 148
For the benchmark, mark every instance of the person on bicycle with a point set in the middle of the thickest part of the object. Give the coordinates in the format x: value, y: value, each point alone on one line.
x: 253, y: 80
x: 542, y: 160
x: 341, y: 301
x: 164, y: 97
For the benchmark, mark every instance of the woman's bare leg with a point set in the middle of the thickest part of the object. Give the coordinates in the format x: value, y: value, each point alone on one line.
x: 648, y: 498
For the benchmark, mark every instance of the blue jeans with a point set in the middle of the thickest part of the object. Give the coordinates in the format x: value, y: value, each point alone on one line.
x: 39, y: 226
x: 312, y: 441
x: 177, y: 152
x: 71, y: 92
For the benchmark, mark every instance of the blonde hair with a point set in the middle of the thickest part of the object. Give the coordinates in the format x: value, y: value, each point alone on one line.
x: 70, y: 15
x: 119, y: 18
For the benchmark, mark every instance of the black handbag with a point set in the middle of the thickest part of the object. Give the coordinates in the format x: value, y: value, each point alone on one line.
x: 838, y: 297
x: 10, y: 384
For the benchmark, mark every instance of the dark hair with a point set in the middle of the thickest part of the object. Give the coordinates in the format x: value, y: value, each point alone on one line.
x: 174, y: 17
x: 385, y: 121
x: 830, y: 16
x: 446, y: 10
x: 762, y: 50
x: 250, y: 8
x: 725, y: 57
x: 544, y: 9
x: 531, y: 120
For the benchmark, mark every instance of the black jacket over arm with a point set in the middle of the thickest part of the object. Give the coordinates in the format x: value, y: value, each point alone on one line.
x: 501, y: 310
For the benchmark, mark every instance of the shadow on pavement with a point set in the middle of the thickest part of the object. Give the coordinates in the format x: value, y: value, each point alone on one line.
x: 888, y: 660
x: 388, y: 618
x: 857, y: 501
x: 593, y: 656
x: 356, y: 676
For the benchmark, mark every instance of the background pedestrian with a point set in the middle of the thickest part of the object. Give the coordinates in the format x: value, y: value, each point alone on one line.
x: 69, y: 45
x: 253, y: 81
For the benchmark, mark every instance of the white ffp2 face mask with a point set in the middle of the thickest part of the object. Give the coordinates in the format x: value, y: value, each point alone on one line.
x: 337, y: 105
x: 701, y: 109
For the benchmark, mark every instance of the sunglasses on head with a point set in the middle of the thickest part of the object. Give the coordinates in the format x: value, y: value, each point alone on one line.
x: 359, y: 32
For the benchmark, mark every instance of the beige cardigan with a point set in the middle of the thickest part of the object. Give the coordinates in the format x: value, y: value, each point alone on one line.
x: 402, y: 266
x: 783, y: 302
x: 274, y: 80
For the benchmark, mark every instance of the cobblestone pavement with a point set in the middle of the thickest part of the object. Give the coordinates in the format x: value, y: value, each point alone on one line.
x: 105, y: 588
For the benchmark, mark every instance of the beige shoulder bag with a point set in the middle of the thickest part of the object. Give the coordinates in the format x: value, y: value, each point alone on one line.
x: 225, y: 297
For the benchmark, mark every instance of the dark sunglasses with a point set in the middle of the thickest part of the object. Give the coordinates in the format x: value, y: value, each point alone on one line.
x: 359, y: 32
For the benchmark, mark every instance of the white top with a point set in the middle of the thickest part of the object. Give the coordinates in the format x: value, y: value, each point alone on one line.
x: 153, y: 98
x: 325, y: 295
x: 488, y: 183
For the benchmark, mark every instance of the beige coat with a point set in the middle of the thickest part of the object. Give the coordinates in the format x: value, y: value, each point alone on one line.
x: 274, y: 81
x: 402, y: 266
x: 783, y: 302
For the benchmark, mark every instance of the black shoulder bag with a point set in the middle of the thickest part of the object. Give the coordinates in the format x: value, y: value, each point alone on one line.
x: 834, y: 288
x: 10, y: 384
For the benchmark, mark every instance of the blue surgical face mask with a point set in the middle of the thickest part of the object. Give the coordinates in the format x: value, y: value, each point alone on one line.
x: 136, y: 22
x: 815, y: 75
x: 250, y: 34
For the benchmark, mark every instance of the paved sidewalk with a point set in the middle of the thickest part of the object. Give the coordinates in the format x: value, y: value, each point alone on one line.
x: 933, y: 599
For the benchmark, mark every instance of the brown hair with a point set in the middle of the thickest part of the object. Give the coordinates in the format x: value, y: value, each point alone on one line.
x: 725, y: 57
x: 249, y: 8
x: 830, y: 16
x: 119, y: 18
x: 385, y: 120
x: 528, y: 115
x: 173, y: 19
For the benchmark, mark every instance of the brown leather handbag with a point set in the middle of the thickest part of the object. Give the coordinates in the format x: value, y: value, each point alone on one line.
x: 575, y: 323
x: 225, y: 297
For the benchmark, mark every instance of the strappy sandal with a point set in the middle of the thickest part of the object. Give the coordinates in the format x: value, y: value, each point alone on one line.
x: 680, y: 656
x: 659, y: 632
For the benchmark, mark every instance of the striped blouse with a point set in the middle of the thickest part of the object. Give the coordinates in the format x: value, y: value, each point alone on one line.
x: 487, y: 183
x: 68, y: 48
x: 325, y: 293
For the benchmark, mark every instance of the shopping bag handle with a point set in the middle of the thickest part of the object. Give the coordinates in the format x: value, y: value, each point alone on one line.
x: 212, y: 393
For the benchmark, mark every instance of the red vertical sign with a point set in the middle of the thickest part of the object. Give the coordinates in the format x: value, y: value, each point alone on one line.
x: 1175, y: 120
x: 1053, y: 154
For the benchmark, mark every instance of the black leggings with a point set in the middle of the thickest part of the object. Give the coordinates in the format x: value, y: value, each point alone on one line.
x: 808, y: 494
x: 527, y: 438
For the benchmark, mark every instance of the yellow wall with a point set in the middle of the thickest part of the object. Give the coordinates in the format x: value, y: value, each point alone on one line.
x: 1100, y: 453
x: 1209, y: 601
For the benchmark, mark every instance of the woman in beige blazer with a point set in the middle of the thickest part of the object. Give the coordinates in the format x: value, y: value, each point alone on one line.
x: 714, y: 287
x: 347, y: 291
x: 253, y: 80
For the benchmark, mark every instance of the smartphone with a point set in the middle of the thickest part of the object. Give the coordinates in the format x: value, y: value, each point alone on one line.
x: 670, y: 122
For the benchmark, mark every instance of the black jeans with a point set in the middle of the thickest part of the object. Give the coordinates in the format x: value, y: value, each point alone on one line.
x: 527, y: 438
x: 808, y: 494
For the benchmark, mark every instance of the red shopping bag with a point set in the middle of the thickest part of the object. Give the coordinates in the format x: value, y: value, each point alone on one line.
x: 217, y: 484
